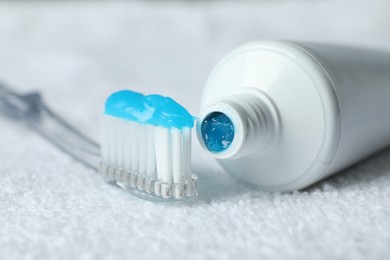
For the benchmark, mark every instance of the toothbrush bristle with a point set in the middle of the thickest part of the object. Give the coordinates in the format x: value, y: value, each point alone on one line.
x: 152, y: 159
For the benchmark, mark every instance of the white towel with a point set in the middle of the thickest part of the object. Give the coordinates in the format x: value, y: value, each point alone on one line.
x: 77, y: 53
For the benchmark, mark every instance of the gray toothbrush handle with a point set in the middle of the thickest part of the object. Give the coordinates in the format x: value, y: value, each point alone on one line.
x: 31, y: 110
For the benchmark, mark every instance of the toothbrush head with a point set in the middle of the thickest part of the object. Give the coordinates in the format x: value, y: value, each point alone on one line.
x: 146, y: 146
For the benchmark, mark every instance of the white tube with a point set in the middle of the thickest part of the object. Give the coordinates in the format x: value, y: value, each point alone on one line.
x: 282, y: 116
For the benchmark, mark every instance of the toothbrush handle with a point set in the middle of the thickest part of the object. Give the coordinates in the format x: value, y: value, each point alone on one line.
x: 31, y: 110
x: 68, y: 139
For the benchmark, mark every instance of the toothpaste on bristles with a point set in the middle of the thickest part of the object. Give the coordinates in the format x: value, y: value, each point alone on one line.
x: 146, y: 145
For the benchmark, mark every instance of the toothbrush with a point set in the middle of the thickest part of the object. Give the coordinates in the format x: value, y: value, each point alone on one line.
x: 30, y: 110
x: 146, y: 145
x: 169, y: 180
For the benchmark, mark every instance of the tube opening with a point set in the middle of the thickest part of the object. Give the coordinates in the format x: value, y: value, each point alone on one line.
x: 243, y: 124
x: 217, y: 132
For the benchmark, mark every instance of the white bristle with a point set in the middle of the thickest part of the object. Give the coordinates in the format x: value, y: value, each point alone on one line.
x: 111, y: 141
x: 142, y: 150
x: 162, y: 141
x: 151, y: 153
x: 152, y: 159
x: 176, y: 144
x: 128, y: 143
x: 186, y: 153
x: 104, y: 138
x: 119, y: 139
x: 134, y: 146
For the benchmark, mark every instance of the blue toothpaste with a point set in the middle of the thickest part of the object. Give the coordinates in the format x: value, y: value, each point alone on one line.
x: 153, y: 109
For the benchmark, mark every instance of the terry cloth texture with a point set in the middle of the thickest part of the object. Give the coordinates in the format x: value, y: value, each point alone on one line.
x: 77, y: 53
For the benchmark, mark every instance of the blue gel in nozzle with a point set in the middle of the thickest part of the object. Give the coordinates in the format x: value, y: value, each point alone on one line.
x: 217, y: 132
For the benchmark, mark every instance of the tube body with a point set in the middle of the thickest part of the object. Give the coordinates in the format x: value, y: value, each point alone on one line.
x: 300, y: 111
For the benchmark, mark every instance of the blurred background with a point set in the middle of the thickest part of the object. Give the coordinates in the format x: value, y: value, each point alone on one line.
x: 81, y: 51
x: 78, y: 52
